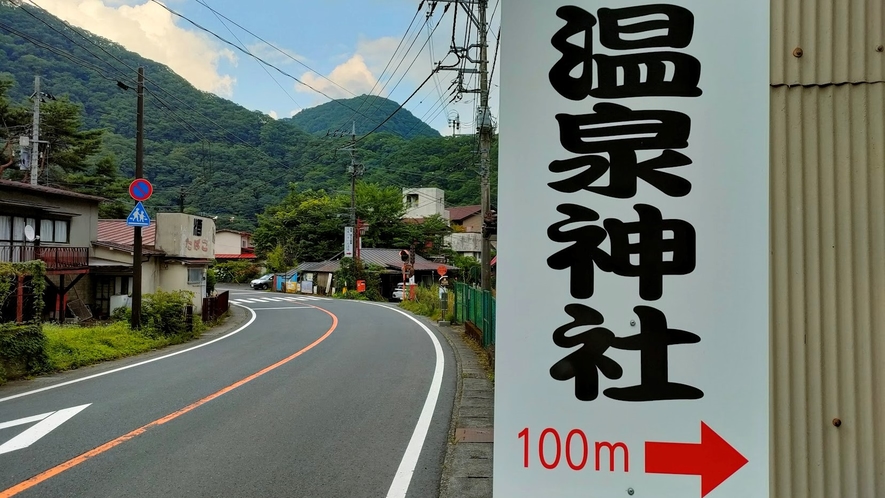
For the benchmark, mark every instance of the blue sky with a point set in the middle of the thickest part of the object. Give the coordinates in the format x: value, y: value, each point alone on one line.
x: 347, y: 44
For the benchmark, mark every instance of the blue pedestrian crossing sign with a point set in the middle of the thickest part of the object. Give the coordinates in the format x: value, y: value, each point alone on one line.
x: 138, y: 217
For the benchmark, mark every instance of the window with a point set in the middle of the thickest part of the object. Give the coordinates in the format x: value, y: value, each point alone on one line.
x: 194, y: 275
x: 198, y: 227
x: 54, y: 231
x: 412, y: 200
x: 12, y: 229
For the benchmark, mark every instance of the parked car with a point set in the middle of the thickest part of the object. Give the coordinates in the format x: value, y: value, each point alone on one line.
x: 398, y: 292
x: 263, y: 282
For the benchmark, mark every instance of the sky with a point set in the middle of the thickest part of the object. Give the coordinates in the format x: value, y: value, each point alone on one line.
x: 334, y: 48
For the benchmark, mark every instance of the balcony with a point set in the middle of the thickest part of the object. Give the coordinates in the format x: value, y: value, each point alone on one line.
x: 56, y: 258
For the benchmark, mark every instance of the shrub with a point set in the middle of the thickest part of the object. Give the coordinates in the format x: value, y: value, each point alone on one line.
x: 427, y: 303
x: 22, y: 350
x: 237, y: 272
x: 163, y: 313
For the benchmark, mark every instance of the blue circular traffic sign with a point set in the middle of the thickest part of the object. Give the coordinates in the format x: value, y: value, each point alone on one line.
x: 141, y: 189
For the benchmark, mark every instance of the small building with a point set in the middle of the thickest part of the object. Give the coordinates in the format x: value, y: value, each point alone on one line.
x: 176, y: 251
x: 321, y: 274
x: 233, y: 245
x: 424, y: 202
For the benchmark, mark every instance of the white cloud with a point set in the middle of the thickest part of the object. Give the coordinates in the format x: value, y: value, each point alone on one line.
x: 353, y: 75
x: 150, y: 30
x: 273, y: 114
x: 295, y: 111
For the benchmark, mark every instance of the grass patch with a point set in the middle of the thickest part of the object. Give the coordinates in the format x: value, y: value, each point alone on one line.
x: 427, y: 303
x: 72, y: 346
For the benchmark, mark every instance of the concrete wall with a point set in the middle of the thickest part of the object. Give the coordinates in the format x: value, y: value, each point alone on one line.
x: 228, y: 243
x: 175, y: 277
x: 176, y: 237
x: 424, y: 202
x: 469, y: 244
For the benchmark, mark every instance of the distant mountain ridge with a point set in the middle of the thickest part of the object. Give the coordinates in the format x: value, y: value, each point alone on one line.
x: 219, y: 156
x: 366, y: 112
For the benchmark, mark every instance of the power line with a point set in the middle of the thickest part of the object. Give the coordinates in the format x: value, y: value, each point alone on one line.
x: 392, y: 57
x: 217, y: 14
x: 219, y: 17
x: 250, y: 54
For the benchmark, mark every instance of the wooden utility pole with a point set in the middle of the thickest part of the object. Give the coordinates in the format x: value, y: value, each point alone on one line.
x: 139, y: 173
x: 35, y: 140
x: 485, y: 145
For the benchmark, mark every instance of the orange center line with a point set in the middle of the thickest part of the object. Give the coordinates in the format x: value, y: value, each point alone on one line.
x: 73, y: 462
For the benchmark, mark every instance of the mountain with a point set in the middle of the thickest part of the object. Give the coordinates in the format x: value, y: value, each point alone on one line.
x: 221, y: 158
x: 366, y: 111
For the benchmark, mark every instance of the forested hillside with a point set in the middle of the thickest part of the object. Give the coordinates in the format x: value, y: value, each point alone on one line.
x: 365, y: 112
x: 226, y: 160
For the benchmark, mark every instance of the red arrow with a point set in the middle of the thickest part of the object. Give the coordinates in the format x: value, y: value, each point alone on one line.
x: 713, y: 459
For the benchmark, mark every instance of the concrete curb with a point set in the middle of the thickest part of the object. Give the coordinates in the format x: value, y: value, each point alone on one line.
x: 467, y: 469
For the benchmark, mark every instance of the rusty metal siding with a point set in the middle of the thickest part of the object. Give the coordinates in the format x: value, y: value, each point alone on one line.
x: 828, y: 289
x: 838, y: 38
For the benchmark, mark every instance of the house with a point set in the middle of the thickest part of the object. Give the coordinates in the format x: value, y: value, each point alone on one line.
x: 466, y: 219
x: 53, y: 225
x: 89, y: 261
x: 176, y: 251
x: 422, y: 203
x: 466, y: 236
x: 233, y: 245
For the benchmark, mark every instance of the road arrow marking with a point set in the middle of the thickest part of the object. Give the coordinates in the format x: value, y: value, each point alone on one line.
x: 47, y: 423
x: 713, y: 459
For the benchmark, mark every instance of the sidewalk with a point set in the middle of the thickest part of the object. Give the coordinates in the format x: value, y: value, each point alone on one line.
x: 467, y: 471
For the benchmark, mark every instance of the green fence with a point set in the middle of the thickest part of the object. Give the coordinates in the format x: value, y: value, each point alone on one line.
x: 478, y: 307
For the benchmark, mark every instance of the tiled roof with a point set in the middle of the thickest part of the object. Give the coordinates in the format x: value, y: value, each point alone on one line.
x: 117, y: 232
x: 387, y: 258
x: 390, y: 258
x: 42, y: 189
x: 235, y: 256
x: 231, y: 231
x: 462, y: 212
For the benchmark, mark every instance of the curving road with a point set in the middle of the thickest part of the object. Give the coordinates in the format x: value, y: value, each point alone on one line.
x: 309, y: 398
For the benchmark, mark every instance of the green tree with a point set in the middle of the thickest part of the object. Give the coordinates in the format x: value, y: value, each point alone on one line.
x: 308, y: 225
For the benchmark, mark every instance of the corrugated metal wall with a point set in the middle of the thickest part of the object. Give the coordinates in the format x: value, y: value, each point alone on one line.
x: 828, y: 249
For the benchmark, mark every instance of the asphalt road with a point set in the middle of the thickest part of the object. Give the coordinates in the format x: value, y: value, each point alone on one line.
x: 310, y: 398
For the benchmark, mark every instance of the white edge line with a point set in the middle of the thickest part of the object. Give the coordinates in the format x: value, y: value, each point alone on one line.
x: 285, y: 308
x: 403, y: 478
x: 127, y: 367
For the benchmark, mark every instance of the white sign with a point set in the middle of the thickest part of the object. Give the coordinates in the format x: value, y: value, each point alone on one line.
x: 348, y: 242
x: 639, y: 130
x: 46, y: 423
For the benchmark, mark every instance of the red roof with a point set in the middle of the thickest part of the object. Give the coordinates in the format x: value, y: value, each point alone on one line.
x: 117, y: 232
x: 463, y: 212
x: 235, y: 256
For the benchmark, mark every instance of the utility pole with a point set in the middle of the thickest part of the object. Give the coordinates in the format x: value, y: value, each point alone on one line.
x: 35, y: 141
x: 355, y: 169
x: 485, y: 145
x: 139, y: 173
x: 180, y: 199
x: 484, y: 121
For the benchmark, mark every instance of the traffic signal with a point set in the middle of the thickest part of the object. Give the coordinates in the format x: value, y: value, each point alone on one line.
x: 404, y: 255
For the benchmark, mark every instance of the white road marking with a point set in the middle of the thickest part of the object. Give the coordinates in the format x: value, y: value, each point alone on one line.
x: 403, y: 478
x: 286, y: 308
x: 127, y: 367
x: 257, y: 300
x: 48, y: 423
